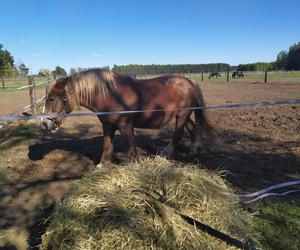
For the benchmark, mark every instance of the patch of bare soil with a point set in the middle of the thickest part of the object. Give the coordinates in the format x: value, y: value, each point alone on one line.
x: 12, y: 100
x: 258, y: 147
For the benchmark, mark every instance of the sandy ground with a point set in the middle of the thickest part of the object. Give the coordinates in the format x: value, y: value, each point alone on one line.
x: 258, y: 147
x: 13, y: 100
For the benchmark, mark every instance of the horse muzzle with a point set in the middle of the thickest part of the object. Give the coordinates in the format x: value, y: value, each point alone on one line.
x: 50, y: 124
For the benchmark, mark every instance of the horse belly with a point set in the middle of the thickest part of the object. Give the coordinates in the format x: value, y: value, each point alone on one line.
x: 154, y: 120
x: 173, y: 94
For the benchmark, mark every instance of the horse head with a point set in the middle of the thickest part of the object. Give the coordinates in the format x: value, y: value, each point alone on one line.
x: 57, y: 102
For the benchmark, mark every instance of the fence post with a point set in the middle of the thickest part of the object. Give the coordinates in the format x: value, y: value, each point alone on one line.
x: 227, y: 76
x: 3, y: 83
x: 32, y: 94
x: 266, y: 76
x: 201, y: 76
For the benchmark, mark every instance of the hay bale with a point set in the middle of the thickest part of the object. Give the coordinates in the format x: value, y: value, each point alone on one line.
x: 134, y: 207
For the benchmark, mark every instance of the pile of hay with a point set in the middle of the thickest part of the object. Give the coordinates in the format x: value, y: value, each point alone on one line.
x: 134, y: 207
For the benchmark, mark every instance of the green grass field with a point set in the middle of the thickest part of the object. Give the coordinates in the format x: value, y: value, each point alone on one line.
x: 13, y: 84
x: 250, y: 76
x: 258, y: 76
x: 278, y: 223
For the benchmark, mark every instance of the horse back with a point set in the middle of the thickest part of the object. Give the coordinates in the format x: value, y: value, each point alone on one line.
x: 166, y: 93
x: 160, y: 90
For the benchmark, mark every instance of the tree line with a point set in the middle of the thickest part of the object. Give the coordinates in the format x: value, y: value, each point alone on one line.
x: 8, y: 68
x: 286, y: 60
x: 7, y: 65
x: 57, y: 72
x: 170, y: 68
x: 289, y: 60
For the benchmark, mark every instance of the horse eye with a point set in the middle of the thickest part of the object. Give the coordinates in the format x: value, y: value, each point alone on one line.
x: 51, y: 99
x: 64, y: 99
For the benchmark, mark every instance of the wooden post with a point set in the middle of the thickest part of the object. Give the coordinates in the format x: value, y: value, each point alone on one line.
x: 202, y: 76
x: 32, y: 94
x: 266, y: 76
x: 227, y: 76
x: 3, y: 83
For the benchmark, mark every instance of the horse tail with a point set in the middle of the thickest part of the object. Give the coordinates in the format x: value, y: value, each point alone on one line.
x: 205, y: 130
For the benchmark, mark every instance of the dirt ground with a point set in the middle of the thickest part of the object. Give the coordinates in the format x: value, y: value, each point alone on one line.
x: 13, y: 100
x: 258, y: 147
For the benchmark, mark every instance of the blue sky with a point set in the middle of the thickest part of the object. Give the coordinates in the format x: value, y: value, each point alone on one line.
x: 78, y: 33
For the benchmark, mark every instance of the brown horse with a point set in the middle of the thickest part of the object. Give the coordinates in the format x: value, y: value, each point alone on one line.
x: 103, y: 90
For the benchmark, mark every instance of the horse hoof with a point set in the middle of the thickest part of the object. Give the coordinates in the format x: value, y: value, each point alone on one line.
x: 194, y: 152
x: 165, y: 154
x: 137, y: 159
x: 99, y: 166
x: 167, y: 151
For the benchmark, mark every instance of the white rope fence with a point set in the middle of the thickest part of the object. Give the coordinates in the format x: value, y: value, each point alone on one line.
x: 265, y: 192
x: 8, y: 118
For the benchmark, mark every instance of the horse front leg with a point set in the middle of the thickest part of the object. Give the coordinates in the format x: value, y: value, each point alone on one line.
x: 127, y: 131
x: 108, y: 136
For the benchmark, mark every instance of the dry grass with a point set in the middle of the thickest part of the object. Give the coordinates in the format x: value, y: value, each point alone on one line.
x: 134, y: 207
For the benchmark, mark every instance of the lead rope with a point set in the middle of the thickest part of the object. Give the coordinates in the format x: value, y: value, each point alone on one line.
x: 248, y: 244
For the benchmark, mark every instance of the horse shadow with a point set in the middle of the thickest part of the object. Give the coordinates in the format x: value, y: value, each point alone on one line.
x: 249, y: 166
x: 92, y: 147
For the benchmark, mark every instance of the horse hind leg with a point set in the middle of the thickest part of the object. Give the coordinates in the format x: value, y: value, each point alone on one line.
x: 177, y: 136
x: 196, y: 137
x: 169, y: 149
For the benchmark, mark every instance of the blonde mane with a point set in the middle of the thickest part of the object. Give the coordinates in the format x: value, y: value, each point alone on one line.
x: 88, y: 84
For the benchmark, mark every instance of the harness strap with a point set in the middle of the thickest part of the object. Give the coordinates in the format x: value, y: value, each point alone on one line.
x: 248, y: 244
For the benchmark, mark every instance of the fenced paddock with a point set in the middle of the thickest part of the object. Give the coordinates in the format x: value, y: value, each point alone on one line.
x: 252, y: 77
x: 259, y: 147
x: 249, y: 77
x: 15, y: 83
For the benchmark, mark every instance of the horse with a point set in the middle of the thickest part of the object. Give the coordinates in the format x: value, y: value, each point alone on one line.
x: 214, y: 75
x: 237, y: 74
x: 102, y: 90
x: 132, y: 75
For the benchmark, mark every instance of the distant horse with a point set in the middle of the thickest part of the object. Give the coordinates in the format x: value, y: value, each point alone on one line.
x: 214, y: 75
x: 132, y: 75
x: 103, y: 90
x: 237, y: 74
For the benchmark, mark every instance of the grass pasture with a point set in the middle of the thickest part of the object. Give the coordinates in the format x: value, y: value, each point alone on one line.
x: 255, y: 77
x: 11, y: 84
x: 249, y: 77
x: 277, y: 222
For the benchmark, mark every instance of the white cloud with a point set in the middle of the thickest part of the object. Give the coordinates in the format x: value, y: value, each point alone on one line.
x: 22, y: 40
x: 96, y: 55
